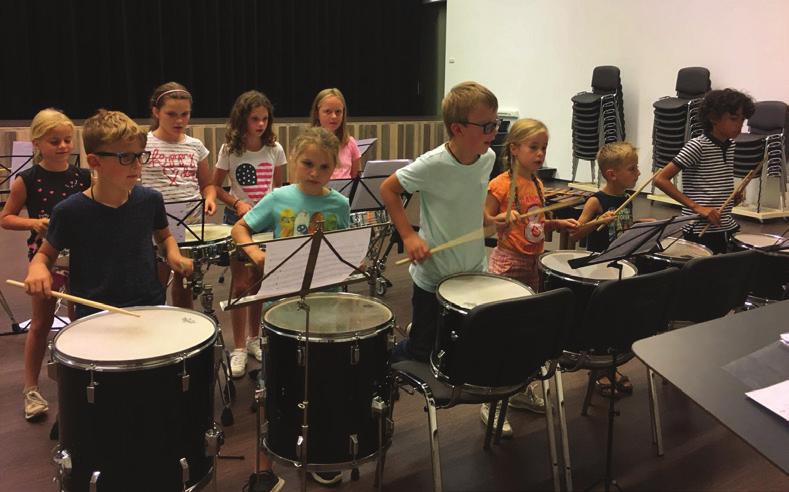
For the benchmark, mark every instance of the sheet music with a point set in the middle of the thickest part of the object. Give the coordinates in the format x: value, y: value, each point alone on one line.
x: 352, y: 244
x: 181, y: 213
x: 383, y: 168
x: 775, y: 398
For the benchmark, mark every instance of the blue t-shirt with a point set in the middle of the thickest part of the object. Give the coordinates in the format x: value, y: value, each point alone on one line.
x: 288, y: 211
x: 451, y: 202
x: 111, y: 253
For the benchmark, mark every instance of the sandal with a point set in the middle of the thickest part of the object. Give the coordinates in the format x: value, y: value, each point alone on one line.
x: 605, y: 389
x: 623, y: 384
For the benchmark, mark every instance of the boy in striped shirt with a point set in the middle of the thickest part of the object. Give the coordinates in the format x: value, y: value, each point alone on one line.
x: 707, y: 164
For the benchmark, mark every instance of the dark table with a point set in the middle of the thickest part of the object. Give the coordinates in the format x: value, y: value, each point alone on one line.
x: 716, y: 362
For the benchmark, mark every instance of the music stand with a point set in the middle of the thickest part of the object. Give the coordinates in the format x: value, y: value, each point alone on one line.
x: 178, y: 214
x: 314, y: 244
x: 364, y: 145
x: 640, y: 239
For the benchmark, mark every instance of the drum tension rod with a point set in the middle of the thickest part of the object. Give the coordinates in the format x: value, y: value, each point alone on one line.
x: 90, y: 390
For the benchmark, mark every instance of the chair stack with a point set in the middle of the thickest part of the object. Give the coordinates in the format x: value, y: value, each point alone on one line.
x: 764, y: 142
x: 677, y: 118
x: 598, y: 116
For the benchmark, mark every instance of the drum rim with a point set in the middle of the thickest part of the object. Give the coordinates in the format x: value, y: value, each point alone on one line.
x: 581, y: 280
x: 447, y: 304
x: 670, y: 259
x: 134, y: 364
x: 324, y: 337
x: 759, y: 248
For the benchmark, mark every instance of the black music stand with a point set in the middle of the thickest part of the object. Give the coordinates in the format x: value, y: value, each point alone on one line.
x: 180, y: 211
x: 640, y: 239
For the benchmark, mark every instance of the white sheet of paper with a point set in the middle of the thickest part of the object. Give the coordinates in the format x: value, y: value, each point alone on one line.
x: 775, y: 398
x: 179, y: 209
x: 352, y: 244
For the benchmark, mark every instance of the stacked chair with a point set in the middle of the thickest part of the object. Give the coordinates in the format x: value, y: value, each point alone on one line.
x: 764, y: 142
x: 677, y: 118
x: 598, y: 116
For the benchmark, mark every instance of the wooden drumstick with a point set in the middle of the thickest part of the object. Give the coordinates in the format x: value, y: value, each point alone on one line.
x: 485, y: 231
x: 632, y: 197
x: 748, y: 177
x: 80, y: 300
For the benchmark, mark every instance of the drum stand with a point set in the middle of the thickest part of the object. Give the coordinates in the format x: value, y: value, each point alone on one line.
x: 206, y: 295
x: 16, y: 329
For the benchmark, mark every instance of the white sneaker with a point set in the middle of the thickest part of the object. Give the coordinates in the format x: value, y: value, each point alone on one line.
x: 484, y: 410
x: 253, y: 348
x: 35, y: 404
x: 529, y: 399
x: 238, y: 363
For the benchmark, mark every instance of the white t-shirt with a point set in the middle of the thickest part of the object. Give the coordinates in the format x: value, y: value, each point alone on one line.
x: 451, y: 203
x: 172, y: 169
x: 251, y: 173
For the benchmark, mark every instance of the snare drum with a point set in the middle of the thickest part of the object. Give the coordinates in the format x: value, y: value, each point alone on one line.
x: 676, y: 253
x: 772, y: 274
x: 136, y: 398
x: 351, y: 338
x: 458, y: 294
x: 372, y: 217
x: 557, y: 273
x: 217, y: 243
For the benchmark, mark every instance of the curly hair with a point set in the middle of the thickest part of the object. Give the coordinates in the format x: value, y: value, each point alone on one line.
x: 237, y: 123
x: 721, y: 101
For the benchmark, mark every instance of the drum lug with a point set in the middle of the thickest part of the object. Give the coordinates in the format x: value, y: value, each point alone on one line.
x: 440, y: 355
x: 300, y: 448
x: 300, y: 356
x: 184, y: 377
x: 52, y: 366
x: 453, y: 335
x: 90, y: 390
x: 214, y: 438
x: 184, y: 471
x: 355, y: 354
x: 378, y: 405
x: 94, y: 481
x: 62, y: 459
x: 353, y: 445
x: 390, y: 342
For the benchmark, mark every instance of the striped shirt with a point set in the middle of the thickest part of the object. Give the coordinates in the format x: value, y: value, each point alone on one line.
x: 172, y: 170
x: 707, y: 166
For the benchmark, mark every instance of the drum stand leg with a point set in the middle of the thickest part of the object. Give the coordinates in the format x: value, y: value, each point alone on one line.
x: 214, y: 438
x: 227, y: 390
x: 15, y: 328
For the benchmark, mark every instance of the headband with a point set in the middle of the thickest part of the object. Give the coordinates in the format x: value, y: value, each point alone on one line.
x: 170, y: 92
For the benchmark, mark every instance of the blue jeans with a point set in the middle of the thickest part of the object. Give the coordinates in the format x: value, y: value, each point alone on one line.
x: 424, y: 323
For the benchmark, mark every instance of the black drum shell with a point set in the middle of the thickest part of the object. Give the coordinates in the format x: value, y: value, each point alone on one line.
x: 340, y: 394
x: 140, y: 424
x: 771, y: 276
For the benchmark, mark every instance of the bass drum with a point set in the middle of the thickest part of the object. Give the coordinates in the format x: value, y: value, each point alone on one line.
x: 136, y: 399
x: 350, y: 340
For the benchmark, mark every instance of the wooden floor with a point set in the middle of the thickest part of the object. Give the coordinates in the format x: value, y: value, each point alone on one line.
x: 700, y: 454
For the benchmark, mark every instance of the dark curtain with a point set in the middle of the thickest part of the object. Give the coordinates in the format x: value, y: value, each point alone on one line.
x: 81, y: 55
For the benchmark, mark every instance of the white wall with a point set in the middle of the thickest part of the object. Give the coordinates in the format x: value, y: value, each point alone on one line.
x: 536, y: 54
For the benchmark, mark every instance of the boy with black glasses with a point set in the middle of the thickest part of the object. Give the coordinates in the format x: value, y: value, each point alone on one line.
x: 108, y: 227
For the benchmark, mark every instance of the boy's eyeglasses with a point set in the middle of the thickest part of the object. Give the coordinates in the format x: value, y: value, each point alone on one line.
x: 486, y: 127
x: 128, y: 158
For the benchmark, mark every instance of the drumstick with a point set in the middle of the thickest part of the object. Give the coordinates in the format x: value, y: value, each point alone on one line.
x: 480, y: 233
x: 80, y: 300
x: 632, y: 197
x: 555, y: 206
x: 748, y: 177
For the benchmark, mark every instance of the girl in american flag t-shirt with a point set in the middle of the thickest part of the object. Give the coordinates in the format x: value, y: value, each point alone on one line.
x: 254, y: 160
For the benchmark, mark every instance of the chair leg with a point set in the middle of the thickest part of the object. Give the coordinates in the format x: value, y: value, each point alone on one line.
x: 568, y: 471
x: 654, y: 410
x: 492, y: 407
x: 432, y: 423
x: 575, y: 167
x: 547, y: 395
x: 589, y: 391
x: 500, y: 423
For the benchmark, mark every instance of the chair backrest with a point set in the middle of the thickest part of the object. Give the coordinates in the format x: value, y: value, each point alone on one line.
x: 606, y: 79
x: 769, y: 117
x: 505, y: 342
x: 623, y: 311
x: 693, y: 82
x: 711, y: 286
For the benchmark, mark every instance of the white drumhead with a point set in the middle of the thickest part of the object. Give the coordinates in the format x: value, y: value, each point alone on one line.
x: 471, y: 290
x: 557, y: 261
x: 679, y: 248
x: 758, y: 240
x: 211, y: 232
x: 158, y: 332
x: 330, y: 314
